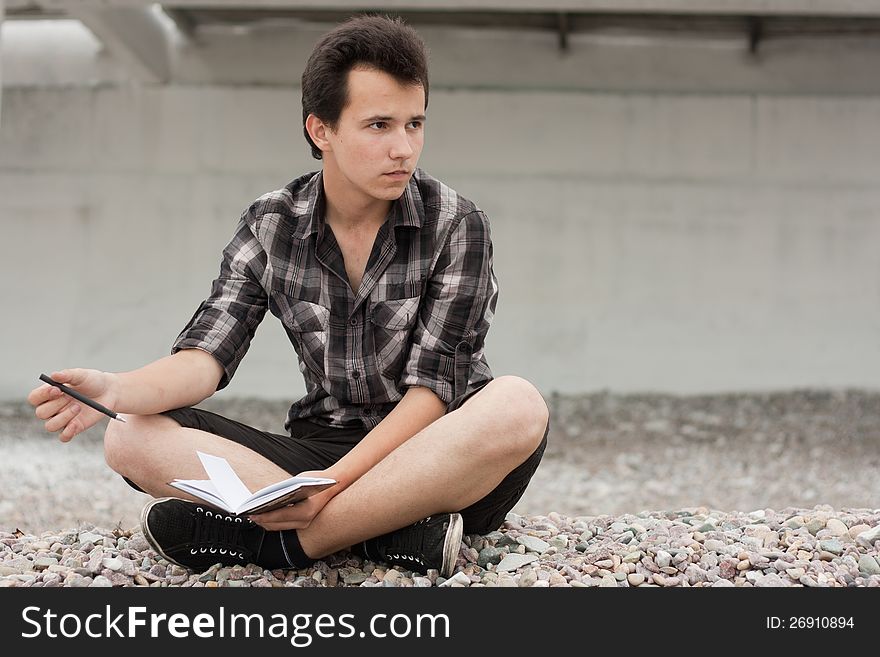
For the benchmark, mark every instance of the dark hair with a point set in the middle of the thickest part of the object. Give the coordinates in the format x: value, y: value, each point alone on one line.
x: 380, y: 42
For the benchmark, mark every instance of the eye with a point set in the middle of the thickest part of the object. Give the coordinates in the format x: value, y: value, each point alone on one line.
x: 378, y: 125
x: 415, y: 125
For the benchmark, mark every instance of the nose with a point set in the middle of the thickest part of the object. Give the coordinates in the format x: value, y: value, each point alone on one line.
x: 401, y: 148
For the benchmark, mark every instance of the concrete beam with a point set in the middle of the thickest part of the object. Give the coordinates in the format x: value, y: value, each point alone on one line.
x: 1, y: 60
x: 507, y: 60
x: 184, y: 23
x: 133, y: 34
x: 734, y: 7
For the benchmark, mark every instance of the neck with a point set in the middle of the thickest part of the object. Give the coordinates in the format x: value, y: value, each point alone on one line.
x: 348, y: 208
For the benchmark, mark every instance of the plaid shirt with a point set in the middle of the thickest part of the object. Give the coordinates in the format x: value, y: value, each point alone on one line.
x: 419, y: 318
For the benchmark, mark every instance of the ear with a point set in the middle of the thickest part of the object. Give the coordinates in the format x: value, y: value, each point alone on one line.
x: 318, y: 130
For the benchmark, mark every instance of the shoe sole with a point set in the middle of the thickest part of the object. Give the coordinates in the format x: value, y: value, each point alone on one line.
x: 147, y: 535
x: 452, y: 544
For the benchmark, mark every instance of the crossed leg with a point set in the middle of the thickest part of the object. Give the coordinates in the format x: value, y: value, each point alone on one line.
x: 450, y: 464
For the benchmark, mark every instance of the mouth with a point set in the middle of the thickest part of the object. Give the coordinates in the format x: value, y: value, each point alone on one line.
x: 398, y: 174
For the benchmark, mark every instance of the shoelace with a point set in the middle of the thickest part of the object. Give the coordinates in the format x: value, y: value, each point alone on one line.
x: 218, y: 534
x: 407, y: 545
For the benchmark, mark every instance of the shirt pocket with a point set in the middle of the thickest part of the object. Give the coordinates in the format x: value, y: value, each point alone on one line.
x: 392, y: 321
x: 307, y: 325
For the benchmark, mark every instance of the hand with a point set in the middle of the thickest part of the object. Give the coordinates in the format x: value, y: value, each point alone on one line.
x: 301, y: 514
x: 65, y: 414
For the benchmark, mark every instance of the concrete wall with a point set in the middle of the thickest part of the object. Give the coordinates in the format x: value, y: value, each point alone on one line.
x: 677, y: 236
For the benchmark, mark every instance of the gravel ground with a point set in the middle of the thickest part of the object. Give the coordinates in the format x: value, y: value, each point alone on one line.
x: 635, y: 490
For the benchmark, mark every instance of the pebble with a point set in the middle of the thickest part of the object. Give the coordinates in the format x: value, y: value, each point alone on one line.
x: 662, y: 558
x: 635, y: 579
x: 868, y: 565
x: 533, y: 544
x: 836, y: 528
x: 528, y: 578
x: 489, y: 555
x: 458, y: 578
x: 868, y: 537
x: 775, y: 548
x: 515, y: 561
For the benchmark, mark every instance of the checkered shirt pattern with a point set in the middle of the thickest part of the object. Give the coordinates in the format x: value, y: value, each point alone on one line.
x: 419, y: 317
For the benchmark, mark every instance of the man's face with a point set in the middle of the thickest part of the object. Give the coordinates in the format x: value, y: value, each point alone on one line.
x: 379, y: 136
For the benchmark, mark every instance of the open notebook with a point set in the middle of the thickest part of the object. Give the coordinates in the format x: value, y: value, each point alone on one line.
x: 223, y: 488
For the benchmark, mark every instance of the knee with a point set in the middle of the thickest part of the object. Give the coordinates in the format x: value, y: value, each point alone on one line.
x: 113, y: 438
x: 123, y: 443
x: 523, y: 407
x: 115, y: 441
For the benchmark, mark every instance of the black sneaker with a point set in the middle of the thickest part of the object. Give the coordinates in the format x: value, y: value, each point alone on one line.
x: 429, y: 543
x: 197, y: 536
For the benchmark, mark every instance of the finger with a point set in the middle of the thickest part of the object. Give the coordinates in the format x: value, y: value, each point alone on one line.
x: 43, y: 394
x: 60, y: 421
x: 74, y: 376
x: 73, y: 428
x: 52, y: 407
x: 288, y: 521
x: 292, y: 512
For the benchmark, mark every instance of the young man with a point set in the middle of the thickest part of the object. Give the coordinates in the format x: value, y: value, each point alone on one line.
x: 382, y: 277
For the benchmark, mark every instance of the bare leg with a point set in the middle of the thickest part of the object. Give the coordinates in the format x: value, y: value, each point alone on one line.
x: 447, y: 466
x: 151, y: 450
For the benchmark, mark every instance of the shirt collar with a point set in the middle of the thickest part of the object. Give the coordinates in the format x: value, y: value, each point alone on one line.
x: 312, y: 217
x: 408, y: 210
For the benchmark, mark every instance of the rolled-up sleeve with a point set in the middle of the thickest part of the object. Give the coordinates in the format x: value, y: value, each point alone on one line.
x: 225, y: 322
x: 456, y: 311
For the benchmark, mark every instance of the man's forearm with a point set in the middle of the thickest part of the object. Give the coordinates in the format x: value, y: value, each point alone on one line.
x: 418, y: 408
x: 183, y: 379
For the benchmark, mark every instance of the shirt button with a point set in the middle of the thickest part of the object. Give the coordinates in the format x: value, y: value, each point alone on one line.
x: 353, y: 322
x: 368, y: 410
x: 356, y: 374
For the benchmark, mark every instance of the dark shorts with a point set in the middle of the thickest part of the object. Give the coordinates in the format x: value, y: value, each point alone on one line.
x: 315, y: 447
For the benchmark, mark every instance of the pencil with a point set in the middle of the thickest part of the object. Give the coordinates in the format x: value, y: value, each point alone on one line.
x: 81, y: 397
